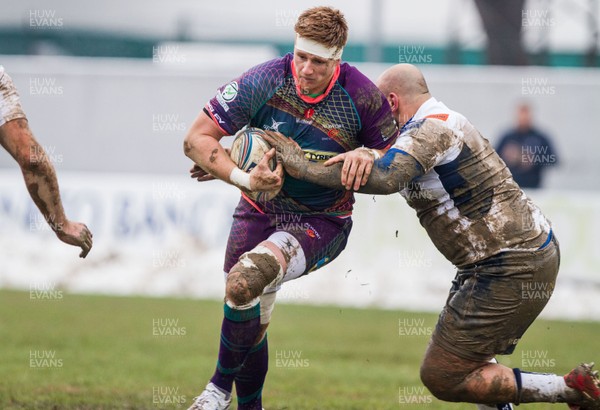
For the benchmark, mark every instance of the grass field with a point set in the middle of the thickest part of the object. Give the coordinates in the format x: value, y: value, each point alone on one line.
x: 63, y: 351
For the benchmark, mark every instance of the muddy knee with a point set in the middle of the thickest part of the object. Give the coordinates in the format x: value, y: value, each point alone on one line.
x: 254, y: 271
x: 443, y: 385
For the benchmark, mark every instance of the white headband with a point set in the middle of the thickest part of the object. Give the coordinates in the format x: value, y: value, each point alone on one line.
x: 318, y: 49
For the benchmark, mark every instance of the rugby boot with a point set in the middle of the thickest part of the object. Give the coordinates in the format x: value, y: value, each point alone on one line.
x: 583, y: 379
x: 212, y: 398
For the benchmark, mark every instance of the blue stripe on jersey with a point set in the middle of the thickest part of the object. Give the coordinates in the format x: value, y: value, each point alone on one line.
x: 389, y: 156
x: 456, y: 186
x: 547, y: 240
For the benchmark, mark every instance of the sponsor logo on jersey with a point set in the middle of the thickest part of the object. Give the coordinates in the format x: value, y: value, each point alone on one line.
x: 314, y: 155
x: 311, y: 231
x: 227, y: 95
x: 214, y: 114
x: 218, y: 118
x: 230, y: 91
x: 303, y: 121
x: 274, y: 126
x: 308, y: 113
x: 222, y: 102
x: 332, y: 133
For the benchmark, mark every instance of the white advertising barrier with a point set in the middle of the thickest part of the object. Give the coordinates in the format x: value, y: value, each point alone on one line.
x: 166, y: 235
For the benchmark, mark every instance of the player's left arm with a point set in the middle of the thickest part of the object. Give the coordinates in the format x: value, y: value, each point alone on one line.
x: 389, y: 174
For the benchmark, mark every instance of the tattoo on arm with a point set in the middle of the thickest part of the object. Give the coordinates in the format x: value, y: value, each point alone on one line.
x: 213, y: 155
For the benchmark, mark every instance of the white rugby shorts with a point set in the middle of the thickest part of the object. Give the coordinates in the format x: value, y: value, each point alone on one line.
x: 10, y: 106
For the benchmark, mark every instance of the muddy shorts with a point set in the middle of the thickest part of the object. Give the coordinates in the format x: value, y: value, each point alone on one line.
x: 10, y: 106
x: 322, y: 237
x: 492, y: 303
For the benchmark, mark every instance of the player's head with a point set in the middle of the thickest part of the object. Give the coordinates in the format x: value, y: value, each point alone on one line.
x: 325, y: 26
x: 321, y: 34
x: 405, y: 88
x: 524, y: 118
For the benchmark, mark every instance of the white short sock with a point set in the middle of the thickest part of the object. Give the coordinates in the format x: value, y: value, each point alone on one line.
x: 544, y: 387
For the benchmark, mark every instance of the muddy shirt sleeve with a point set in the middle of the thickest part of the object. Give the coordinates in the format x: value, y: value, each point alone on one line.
x: 236, y: 102
x: 378, y: 128
x: 430, y: 142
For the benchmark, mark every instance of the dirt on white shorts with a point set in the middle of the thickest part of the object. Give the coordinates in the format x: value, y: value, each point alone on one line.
x: 10, y: 106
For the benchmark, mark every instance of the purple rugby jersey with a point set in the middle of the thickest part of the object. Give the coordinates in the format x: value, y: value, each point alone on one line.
x: 351, y: 113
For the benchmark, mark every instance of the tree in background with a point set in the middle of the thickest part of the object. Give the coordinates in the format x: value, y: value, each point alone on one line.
x: 502, y: 21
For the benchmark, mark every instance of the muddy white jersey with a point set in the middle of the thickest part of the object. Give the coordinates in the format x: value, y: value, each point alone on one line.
x: 467, y: 199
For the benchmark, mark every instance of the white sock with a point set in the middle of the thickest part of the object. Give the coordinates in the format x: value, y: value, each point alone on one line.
x: 544, y: 387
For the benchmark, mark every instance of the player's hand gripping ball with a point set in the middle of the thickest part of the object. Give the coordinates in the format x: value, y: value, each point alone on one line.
x: 247, y: 150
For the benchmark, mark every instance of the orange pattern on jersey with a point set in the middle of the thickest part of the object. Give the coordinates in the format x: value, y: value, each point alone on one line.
x: 442, y: 117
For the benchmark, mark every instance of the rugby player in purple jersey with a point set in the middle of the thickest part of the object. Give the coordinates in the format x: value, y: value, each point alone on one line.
x: 328, y: 107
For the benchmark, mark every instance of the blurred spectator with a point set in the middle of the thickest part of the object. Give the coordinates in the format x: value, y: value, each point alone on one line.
x: 526, y: 150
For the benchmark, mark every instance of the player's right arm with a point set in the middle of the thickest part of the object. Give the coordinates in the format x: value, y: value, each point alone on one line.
x: 42, y: 184
x: 202, y: 146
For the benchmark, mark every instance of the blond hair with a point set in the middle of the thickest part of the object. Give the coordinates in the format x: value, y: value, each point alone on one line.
x: 325, y: 25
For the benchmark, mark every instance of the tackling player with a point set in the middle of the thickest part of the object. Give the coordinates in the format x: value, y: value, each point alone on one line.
x: 38, y: 172
x: 480, y: 220
x: 328, y: 107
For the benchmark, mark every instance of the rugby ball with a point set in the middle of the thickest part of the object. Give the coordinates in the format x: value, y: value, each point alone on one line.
x: 247, y: 150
